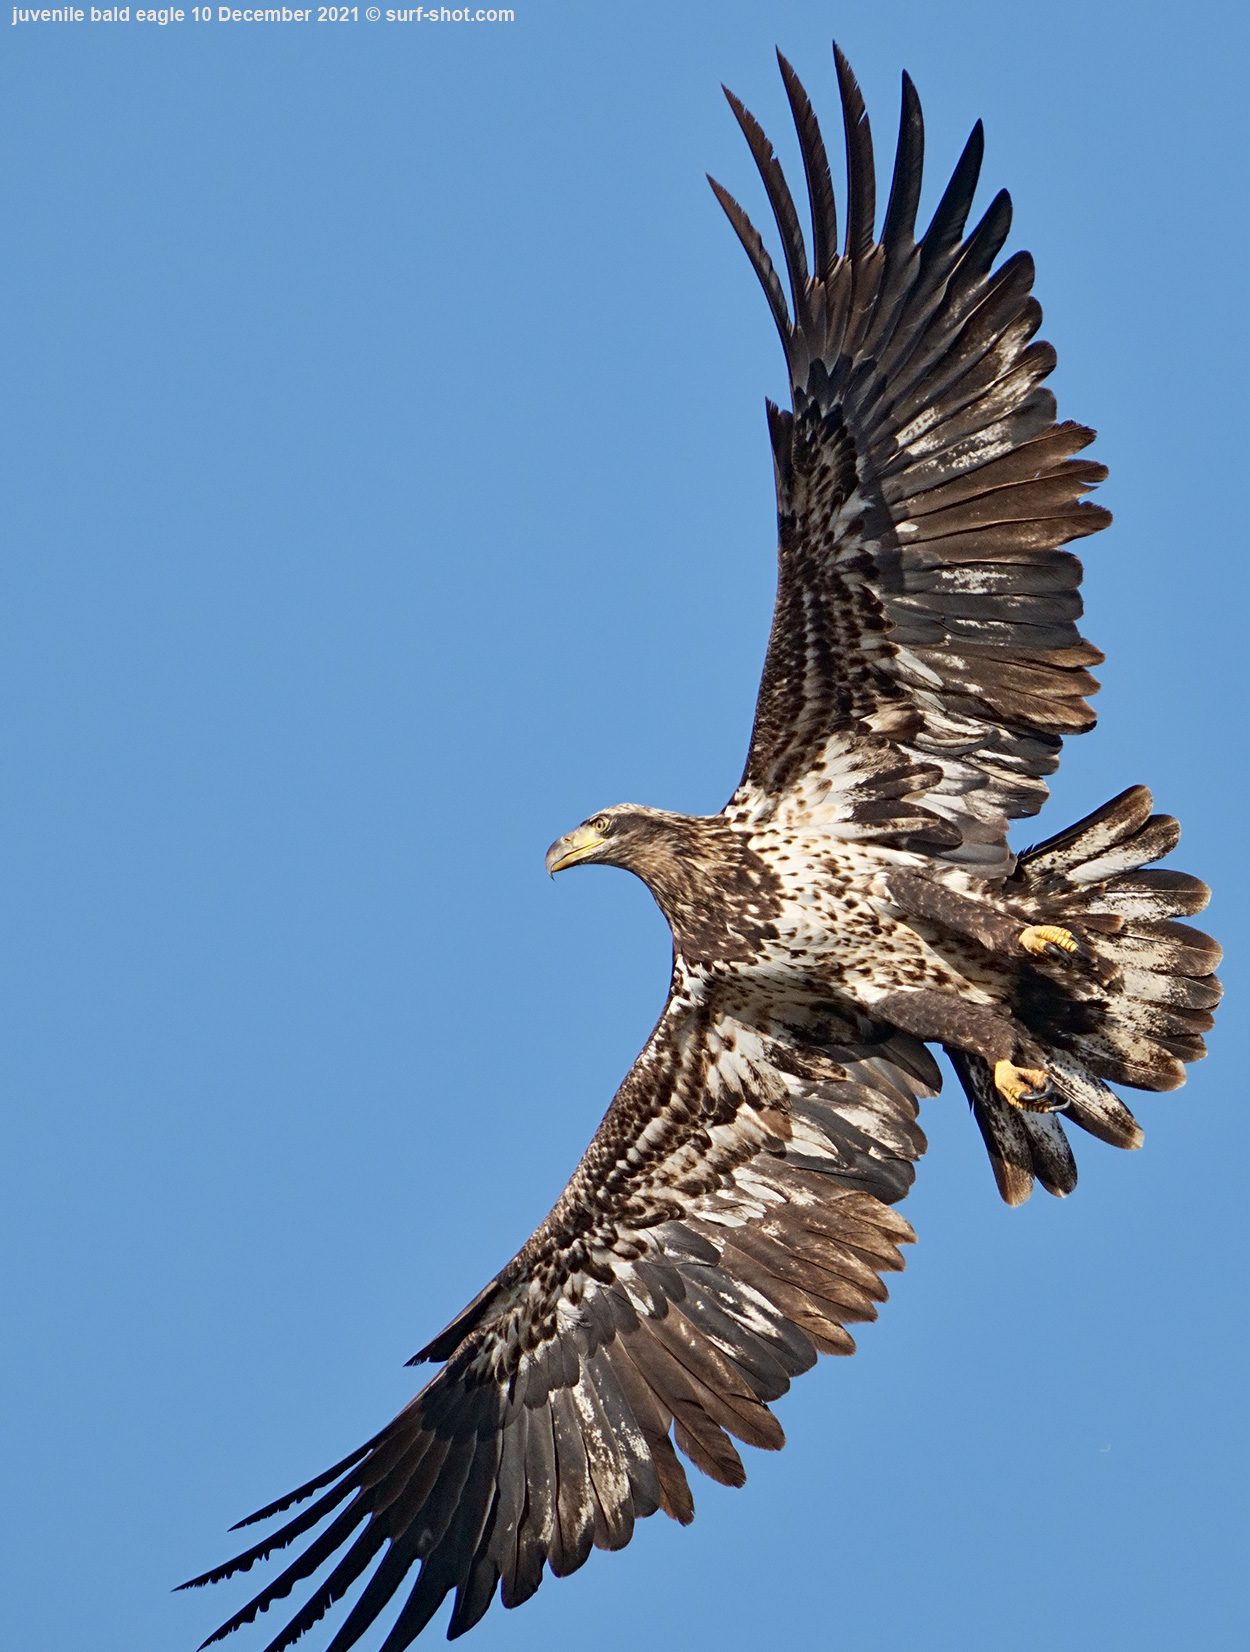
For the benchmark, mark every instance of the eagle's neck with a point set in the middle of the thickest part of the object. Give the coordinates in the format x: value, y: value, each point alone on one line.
x: 719, y: 897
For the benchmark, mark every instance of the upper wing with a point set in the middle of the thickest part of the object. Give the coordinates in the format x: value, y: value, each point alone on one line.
x: 728, y: 1219
x: 925, y: 617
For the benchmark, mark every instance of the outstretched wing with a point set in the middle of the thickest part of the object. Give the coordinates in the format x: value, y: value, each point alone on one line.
x: 925, y: 625
x: 728, y: 1220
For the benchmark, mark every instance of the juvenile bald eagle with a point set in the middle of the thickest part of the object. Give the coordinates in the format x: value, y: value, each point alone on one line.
x: 853, y: 901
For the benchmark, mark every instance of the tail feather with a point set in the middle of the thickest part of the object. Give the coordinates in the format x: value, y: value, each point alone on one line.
x: 1092, y: 1104
x: 1021, y: 1146
x: 1158, y: 837
x: 1134, y: 1013
x: 1063, y: 855
x: 1176, y: 991
x: 1164, y: 946
x: 1151, y: 894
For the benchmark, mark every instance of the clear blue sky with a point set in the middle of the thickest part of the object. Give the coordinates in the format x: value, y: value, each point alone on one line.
x: 390, y: 489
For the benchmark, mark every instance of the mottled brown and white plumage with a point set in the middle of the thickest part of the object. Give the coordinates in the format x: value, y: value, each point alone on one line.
x: 855, y: 899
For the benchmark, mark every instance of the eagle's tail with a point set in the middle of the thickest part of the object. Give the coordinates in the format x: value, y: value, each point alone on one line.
x: 1132, y: 1009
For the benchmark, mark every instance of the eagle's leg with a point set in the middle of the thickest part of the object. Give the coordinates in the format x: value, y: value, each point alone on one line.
x: 919, y: 897
x: 944, y: 1018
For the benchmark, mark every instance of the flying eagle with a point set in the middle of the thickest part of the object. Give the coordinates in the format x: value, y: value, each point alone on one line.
x: 854, y: 901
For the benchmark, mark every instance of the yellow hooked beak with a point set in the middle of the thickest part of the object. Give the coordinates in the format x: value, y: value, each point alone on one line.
x: 572, y: 847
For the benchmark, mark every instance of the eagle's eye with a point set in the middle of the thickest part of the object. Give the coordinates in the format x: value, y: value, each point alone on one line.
x: 602, y: 824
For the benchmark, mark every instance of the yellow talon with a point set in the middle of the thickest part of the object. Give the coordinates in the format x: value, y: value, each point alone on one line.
x: 1024, y: 1087
x: 1048, y: 940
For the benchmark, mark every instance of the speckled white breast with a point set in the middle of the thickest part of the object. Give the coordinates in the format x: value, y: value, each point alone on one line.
x: 838, y: 924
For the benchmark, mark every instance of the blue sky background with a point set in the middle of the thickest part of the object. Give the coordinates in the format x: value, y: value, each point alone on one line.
x: 390, y: 489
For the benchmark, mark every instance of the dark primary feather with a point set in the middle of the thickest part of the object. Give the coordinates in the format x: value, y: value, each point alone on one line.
x: 729, y: 1219
x: 924, y: 493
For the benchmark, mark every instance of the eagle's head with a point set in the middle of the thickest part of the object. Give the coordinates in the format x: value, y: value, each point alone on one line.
x: 626, y: 835
x: 717, y: 894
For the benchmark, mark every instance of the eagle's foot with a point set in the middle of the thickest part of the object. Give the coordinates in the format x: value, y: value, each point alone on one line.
x: 1049, y: 941
x: 1028, y: 1088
